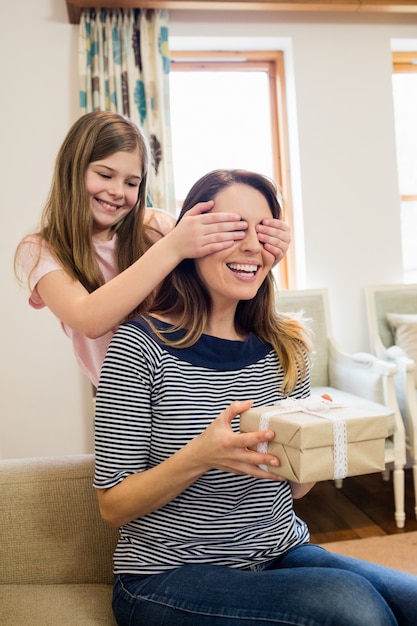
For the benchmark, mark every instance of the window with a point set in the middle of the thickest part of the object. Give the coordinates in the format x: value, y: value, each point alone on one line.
x: 228, y: 110
x: 405, y: 107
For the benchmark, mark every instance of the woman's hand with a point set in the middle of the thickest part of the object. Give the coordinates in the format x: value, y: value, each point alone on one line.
x: 221, y: 448
x: 218, y: 447
x: 299, y: 490
x: 201, y: 232
x: 275, y: 236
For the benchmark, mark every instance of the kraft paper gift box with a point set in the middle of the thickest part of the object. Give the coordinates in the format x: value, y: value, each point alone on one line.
x: 316, y: 439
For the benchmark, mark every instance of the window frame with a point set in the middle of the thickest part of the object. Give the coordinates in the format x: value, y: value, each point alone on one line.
x: 272, y: 62
x: 405, y: 62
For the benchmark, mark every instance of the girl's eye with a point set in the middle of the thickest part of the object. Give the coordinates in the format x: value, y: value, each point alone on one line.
x: 107, y: 176
x: 133, y: 184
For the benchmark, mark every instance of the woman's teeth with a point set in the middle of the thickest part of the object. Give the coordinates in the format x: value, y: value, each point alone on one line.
x: 243, y: 267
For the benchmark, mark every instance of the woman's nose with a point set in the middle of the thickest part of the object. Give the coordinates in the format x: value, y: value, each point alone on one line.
x: 251, y: 241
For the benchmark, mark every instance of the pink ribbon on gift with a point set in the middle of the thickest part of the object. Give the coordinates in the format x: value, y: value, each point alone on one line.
x: 320, y: 407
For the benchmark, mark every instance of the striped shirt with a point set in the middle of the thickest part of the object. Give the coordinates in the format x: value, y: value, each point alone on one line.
x: 153, y: 399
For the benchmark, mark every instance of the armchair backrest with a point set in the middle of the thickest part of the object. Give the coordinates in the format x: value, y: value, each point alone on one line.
x: 383, y: 299
x: 313, y: 305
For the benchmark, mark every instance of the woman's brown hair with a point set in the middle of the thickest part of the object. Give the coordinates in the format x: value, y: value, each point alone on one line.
x: 183, y: 296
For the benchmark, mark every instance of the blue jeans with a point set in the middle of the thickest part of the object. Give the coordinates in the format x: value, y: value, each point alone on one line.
x: 307, y: 586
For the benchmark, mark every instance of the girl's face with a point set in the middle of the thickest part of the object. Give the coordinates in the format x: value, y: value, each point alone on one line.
x: 238, y: 272
x: 112, y: 185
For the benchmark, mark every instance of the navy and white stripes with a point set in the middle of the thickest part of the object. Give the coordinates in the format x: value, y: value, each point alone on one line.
x: 151, y: 401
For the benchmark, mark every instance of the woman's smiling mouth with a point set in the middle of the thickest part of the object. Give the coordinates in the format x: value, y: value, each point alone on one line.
x: 246, y: 270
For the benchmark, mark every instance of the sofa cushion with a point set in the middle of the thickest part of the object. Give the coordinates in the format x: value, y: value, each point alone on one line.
x: 56, y: 605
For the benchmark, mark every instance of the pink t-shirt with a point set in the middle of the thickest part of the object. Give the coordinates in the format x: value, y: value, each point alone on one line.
x: 89, y: 353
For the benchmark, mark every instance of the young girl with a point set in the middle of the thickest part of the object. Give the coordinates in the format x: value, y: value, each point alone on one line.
x: 207, y: 537
x: 100, y: 252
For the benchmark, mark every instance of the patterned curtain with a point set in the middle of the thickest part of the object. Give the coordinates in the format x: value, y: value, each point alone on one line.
x: 124, y: 67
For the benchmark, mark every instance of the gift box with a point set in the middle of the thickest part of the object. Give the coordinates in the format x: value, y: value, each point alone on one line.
x: 316, y: 439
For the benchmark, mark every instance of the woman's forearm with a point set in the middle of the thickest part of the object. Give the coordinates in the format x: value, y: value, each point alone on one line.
x: 298, y: 491
x: 145, y: 492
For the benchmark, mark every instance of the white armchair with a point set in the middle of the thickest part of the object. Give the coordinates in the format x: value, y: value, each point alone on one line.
x: 399, y: 299
x: 351, y: 378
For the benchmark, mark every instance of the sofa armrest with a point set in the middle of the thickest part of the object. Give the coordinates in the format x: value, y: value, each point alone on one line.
x: 52, y: 532
x: 362, y: 374
x: 370, y: 377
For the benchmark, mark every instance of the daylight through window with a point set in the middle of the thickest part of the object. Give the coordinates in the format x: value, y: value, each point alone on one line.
x: 228, y: 111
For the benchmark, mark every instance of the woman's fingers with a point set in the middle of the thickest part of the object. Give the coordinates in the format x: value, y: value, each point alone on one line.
x: 238, y: 452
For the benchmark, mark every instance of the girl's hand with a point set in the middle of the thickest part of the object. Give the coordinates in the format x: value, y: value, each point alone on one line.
x: 275, y: 235
x: 201, y: 232
x: 221, y: 448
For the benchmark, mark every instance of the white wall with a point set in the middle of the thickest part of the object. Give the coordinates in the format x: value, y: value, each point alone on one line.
x: 344, y: 161
x: 346, y: 189
x: 43, y: 407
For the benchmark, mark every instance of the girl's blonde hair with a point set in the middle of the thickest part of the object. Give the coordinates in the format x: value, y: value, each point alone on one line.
x: 67, y: 222
x: 183, y: 296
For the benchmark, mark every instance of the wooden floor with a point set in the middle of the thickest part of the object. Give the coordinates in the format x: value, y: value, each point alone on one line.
x: 363, y: 507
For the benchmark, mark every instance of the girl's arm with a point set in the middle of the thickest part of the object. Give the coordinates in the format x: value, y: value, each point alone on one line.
x: 198, y: 234
x: 93, y: 314
x: 218, y: 447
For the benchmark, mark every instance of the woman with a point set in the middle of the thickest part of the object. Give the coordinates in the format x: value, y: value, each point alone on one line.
x: 207, y: 537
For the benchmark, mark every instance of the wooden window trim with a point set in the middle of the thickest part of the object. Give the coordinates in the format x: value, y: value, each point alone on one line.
x: 402, y: 63
x: 74, y: 7
x: 273, y: 63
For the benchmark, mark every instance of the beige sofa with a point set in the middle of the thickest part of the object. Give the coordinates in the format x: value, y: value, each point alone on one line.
x: 55, y: 550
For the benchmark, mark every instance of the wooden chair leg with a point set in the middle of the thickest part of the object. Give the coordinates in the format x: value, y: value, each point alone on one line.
x: 399, y: 489
x: 415, y: 487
